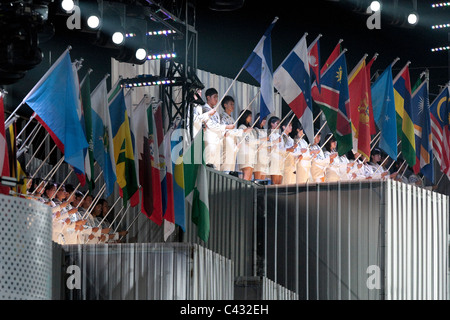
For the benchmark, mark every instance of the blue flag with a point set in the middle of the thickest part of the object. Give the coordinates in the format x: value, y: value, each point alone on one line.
x: 55, y: 100
x: 102, y: 135
x: 259, y: 65
x: 384, y: 112
x: 422, y: 131
x: 178, y: 177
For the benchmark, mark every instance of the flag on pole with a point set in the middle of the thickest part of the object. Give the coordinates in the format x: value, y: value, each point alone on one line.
x: 169, y: 214
x: 359, y: 88
x: 162, y: 160
x: 405, y: 126
x: 178, y: 177
x: 332, y: 57
x: 85, y: 89
x: 16, y: 162
x: 293, y: 82
x: 440, y: 114
x: 123, y: 146
x: 196, y: 186
x: 153, y: 185
x: 422, y: 129
x: 102, y: 135
x: 314, y: 60
x: 54, y: 99
x: 259, y: 65
x: 373, y: 129
x: 335, y: 104
x: 4, y: 159
x: 384, y: 112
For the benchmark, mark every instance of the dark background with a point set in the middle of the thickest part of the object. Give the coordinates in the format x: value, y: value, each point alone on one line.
x: 226, y: 39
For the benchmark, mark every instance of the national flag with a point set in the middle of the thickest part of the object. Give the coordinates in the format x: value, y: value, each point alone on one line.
x: 259, y: 65
x: 162, y: 160
x: 314, y: 60
x: 134, y: 199
x: 384, y: 112
x: 196, y: 186
x: 169, y: 214
x: 54, y: 99
x: 4, y: 160
x: 102, y: 135
x: 405, y: 126
x: 359, y: 88
x: 335, y: 104
x: 154, y: 210
x: 332, y: 57
x: 422, y: 128
x: 122, y: 145
x: 373, y: 129
x: 293, y: 81
x: 85, y: 89
x: 440, y: 118
x: 16, y: 162
x: 178, y: 177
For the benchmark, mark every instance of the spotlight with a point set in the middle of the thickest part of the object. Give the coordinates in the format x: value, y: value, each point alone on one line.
x: 118, y: 37
x: 440, y: 5
x: 413, y: 18
x: 67, y: 5
x: 440, y: 49
x: 441, y: 26
x: 375, y: 6
x: 93, y: 22
x: 161, y: 56
x: 141, y: 54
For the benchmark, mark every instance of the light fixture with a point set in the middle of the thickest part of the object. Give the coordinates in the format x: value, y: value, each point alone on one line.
x: 440, y: 49
x: 441, y: 26
x: 161, y: 33
x: 93, y: 22
x: 161, y: 56
x: 141, y: 54
x: 413, y: 18
x: 67, y: 5
x: 118, y: 37
x: 375, y: 6
x: 440, y: 5
x: 147, y: 81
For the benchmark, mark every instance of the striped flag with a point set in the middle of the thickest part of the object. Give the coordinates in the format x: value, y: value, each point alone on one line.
x: 439, y: 116
x: 4, y: 160
x: 169, y: 214
x: 293, y: 81
x: 334, y: 101
x: 259, y: 65
x: 314, y: 60
x: 405, y: 125
x: 422, y: 131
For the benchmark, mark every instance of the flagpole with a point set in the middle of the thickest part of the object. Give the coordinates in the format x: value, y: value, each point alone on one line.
x: 53, y: 171
x: 43, y: 162
x: 314, y: 42
x: 386, y: 159
x: 123, y: 216
x: 276, y: 128
x: 26, y: 125
x: 401, y: 71
x: 246, y: 108
x: 134, y: 220
x: 118, y: 214
x: 442, y: 176
x: 61, y: 184
x: 33, y: 134
x: 87, y: 192
x: 37, y: 149
x: 357, y: 65
x: 245, y: 136
x: 394, y: 62
x: 94, y: 201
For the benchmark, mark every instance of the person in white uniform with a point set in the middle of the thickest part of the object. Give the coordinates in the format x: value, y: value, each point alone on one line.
x: 318, y: 162
x: 262, y: 158
x: 246, y: 150
x: 302, y: 157
x: 228, y: 162
x: 332, y: 172
x: 214, y: 131
x: 289, y: 147
x: 276, y: 151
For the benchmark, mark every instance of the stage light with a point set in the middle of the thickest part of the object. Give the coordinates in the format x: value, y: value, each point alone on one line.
x: 67, y: 5
x: 413, y: 18
x: 440, y: 49
x: 118, y: 37
x: 161, y: 33
x: 141, y: 54
x: 93, y: 22
x: 161, y: 56
x: 441, y: 26
x: 440, y: 5
x: 375, y: 6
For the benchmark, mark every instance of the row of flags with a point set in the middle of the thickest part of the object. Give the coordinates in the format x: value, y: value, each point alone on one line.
x: 127, y: 142
x: 354, y: 108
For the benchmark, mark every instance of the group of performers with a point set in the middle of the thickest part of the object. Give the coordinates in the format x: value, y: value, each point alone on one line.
x: 261, y: 149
